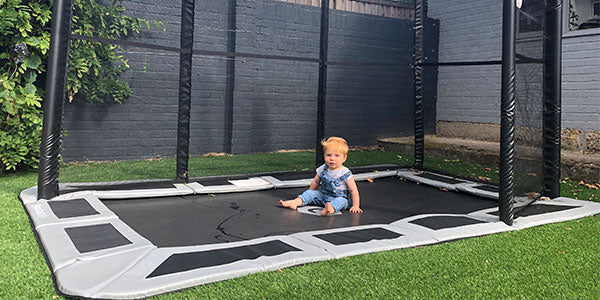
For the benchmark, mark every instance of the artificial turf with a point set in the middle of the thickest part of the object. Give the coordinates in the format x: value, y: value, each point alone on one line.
x: 558, y: 260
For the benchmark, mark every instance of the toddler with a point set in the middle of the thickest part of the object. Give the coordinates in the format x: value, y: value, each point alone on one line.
x: 336, y: 182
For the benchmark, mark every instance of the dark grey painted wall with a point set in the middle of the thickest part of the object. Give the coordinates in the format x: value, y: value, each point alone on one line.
x: 274, y: 101
x: 473, y: 30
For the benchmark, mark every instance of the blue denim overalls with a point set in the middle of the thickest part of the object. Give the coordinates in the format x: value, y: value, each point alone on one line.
x: 328, y: 192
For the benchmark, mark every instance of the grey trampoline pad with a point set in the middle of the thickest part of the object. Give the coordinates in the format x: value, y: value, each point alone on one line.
x: 72, y: 208
x: 358, y: 236
x: 102, y: 257
x: 442, y: 222
x: 96, y: 237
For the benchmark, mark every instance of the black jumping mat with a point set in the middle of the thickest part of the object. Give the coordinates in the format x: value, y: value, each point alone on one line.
x: 219, y: 218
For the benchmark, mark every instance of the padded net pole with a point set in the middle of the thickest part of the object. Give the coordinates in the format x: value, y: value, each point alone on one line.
x: 322, y: 93
x: 56, y: 82
x: 419, y: 130
x: 185, y: 88
x: 552, y: 98
x: 507, y: 116
x: 230, y: 85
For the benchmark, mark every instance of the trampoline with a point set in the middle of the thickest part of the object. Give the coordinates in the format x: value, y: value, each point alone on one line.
x: 134, y: 239
x: 125, y: 240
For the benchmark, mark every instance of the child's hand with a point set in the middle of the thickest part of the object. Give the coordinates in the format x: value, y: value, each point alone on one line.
x: 355, y: 209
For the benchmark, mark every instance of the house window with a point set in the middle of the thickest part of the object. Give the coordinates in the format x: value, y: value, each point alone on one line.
x: 531, y: 16
x: 584, y: 14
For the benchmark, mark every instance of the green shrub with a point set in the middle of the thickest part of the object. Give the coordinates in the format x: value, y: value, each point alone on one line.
x: 94, y: 68
x: 24, y: 40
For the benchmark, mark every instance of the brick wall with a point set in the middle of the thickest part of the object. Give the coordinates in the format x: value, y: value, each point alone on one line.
x: 144, y: 125
x: 581, y: 80
x: 274, y: 101
x: 471, y: 30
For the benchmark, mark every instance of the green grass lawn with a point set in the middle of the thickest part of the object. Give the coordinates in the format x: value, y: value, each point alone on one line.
x: 556, y: 261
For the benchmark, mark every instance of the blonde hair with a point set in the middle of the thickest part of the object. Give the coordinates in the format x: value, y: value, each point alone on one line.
x: 335, y: 143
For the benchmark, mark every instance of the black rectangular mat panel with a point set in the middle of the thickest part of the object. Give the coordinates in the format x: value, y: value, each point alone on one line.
x: 72, y: 208
x: 538, y: 209
x: 195, y: 260
x: 96, y: 237
x: 295, y: 175
x: 443, y: 222
x: 219, y: 180
x: 488, y: 188
x: 311, y: 173
x: 287, y: 175
x: 358, y: 236
x: 358, y: 170
x: 120, y: 186
x: 440, y: 178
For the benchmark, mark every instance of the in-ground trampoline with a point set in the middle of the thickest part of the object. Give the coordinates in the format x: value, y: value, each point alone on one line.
x: 136, y: 239
x: 140, y: 238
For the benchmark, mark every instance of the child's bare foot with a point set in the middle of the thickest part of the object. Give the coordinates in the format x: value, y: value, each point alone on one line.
x: 327, y: 210
x: 291, y: 204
